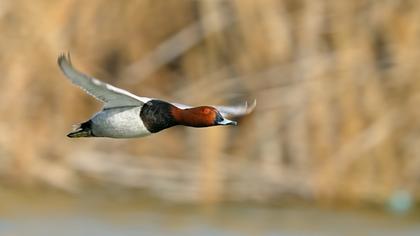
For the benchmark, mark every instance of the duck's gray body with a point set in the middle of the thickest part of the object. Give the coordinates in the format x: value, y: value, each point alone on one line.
x: 122, y: 122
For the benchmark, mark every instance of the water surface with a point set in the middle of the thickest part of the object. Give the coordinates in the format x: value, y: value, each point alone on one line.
x: 116, y: 215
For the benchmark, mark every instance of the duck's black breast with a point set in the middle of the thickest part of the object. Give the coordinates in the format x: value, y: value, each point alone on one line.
x: 157, y: 115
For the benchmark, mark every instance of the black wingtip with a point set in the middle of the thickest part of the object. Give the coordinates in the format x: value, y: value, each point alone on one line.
x: 60, y: 58
x: 64, y: 57
x: 68, y: 58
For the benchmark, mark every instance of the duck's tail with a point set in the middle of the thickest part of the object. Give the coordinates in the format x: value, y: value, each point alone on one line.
x: 83, y: 130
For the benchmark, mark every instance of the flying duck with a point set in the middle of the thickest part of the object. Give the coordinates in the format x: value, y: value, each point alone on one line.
x: 125, y: 115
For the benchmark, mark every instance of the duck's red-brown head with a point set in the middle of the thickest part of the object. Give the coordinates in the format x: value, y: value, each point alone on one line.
x: 158, y: 115
x: 202, y: 116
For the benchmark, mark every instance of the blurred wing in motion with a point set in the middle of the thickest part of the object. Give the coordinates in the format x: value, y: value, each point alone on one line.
x: 228, y: 111
x: 237, y: 110
x: 111, y: 96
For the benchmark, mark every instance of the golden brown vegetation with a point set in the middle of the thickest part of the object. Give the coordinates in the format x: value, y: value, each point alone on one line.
x: 336, y: 83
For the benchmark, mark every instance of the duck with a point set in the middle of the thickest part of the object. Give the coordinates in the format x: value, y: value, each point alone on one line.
x: 125, y: 115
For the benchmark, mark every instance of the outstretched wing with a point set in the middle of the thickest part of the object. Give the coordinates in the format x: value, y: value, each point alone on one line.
x: 111, y: 96
x: 228, y: 111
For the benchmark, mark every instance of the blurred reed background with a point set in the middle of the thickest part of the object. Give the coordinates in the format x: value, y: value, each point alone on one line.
x: 337, y: 86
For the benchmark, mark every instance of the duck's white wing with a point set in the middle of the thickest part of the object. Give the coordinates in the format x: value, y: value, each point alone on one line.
x: 111, y: 96
x: 228, y: 111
